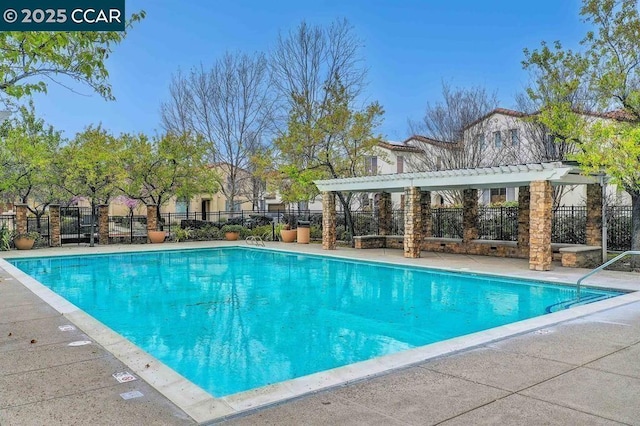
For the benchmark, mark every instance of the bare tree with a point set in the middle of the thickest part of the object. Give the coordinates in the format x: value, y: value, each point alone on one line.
x: 230, y: 105
x: 453, y: 133
x: 310, y: 59
x: 444, y: 128
x: 313, y: 66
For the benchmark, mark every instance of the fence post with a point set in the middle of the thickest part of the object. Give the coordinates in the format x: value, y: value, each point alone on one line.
x: 21, y: 218
x: 54, y: 225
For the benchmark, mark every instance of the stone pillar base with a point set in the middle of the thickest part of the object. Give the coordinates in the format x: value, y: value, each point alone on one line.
x: 328, y: 221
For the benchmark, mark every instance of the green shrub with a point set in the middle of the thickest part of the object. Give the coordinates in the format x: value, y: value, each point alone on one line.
x: 207, y: 233
x: 265, y: 232
x: 182, y: 234
x: 315, y: 232
x: 232, y: 228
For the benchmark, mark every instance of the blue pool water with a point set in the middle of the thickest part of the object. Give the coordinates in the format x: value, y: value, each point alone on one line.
x: 234, y: 319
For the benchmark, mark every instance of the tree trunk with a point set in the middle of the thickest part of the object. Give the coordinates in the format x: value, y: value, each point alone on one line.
x: 159, y: 217
x: 635, y: 226
x: 347, y: 215
x: 92, y: 226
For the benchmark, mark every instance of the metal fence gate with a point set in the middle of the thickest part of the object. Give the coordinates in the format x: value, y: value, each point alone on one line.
x: 75, y: 224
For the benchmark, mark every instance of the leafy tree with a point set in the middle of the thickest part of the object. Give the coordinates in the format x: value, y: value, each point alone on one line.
x: 167, y: 166
x: 29, y: 58
x: 332, y: 145
x: 319, y: 76
x: 609, y: 67
x: 27, y: 151
x: 91, y: 167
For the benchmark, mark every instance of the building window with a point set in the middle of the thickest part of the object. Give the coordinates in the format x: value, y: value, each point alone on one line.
x: 497, y: 139
x: 182, y: 205
x: 400, y: 164
x: 515, y: 137
x: 372, y: 165
x: 498, y: 195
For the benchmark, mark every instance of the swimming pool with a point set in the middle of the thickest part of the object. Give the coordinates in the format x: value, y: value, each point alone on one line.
x: 233, y: 319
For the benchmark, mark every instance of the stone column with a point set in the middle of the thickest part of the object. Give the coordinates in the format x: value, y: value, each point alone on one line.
x: 469, y: 215
x: 152, y: 218
x: 103, y: 224
x: 54, y: 224
x: 540, y: 254
x: 21, y: 218
x: 412, y: 222
x: 328, y: 220
x: 524, y: 200
x: 427, y: 220
x: 594, y: 215
x: 384, y: 214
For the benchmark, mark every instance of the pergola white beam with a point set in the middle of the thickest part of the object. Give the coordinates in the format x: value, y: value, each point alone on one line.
x: 487, y: 177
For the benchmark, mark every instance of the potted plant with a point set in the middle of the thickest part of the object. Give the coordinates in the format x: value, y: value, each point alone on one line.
x: 288, y: 235
x: 25, y: 240
x: 231, y: 232
x: 156, y: 237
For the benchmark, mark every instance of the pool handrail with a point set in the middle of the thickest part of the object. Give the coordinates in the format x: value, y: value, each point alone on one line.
x: 604, y: 265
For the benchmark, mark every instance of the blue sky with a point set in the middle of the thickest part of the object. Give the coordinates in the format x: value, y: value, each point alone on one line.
x: 410, y: 48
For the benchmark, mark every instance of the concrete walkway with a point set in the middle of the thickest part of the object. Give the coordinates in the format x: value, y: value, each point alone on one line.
x: 583, y: 371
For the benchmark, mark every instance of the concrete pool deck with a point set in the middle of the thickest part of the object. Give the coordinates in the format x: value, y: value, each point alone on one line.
x: 568, y: 370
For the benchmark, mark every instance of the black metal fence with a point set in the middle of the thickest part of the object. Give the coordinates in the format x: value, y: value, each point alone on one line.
x: 447, y: 222
x: 495, y: 223
x: 75, y: 224
x: 619, y: 228
x: 8, y: 221
x: 128, y: 229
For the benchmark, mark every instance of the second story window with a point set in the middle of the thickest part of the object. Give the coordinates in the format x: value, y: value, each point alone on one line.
x: 399, y: 164
x: 372, y: 165
x: 479, y: 141
x: 497, y: 139
x: 515, y: 137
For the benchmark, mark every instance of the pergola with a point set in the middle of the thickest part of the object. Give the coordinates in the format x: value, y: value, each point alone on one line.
x: 535, y: 200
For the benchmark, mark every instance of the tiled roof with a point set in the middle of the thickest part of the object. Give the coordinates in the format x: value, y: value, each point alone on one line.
x: 618, y: 115
x: 397, y: 147
x: 502, y: 111
x: 425, y: 139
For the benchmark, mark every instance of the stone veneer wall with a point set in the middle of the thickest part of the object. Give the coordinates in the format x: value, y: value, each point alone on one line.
x: 412, y: 222
x: 594, y: 215
x: 328, y: 221
x: 524, y: 199
x: 21, y: 218
x: 54, y: 223
x: 427, y: 220
x: 470, y: 215
x: 152, y: 218
x: 385, y: 213
x: 486, y: 248
x: 540, y: 254
x: 586, y: 259
x: 103, y: 224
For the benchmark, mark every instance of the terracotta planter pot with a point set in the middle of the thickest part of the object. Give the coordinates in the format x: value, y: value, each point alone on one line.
x: 156, y: 237
x: 231, y: 236
x: 288, y: 235
x: 24, y: 243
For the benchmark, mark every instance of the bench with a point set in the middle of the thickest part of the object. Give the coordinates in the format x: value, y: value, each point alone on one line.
x: 581, y: 256
x: 369, y: 241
